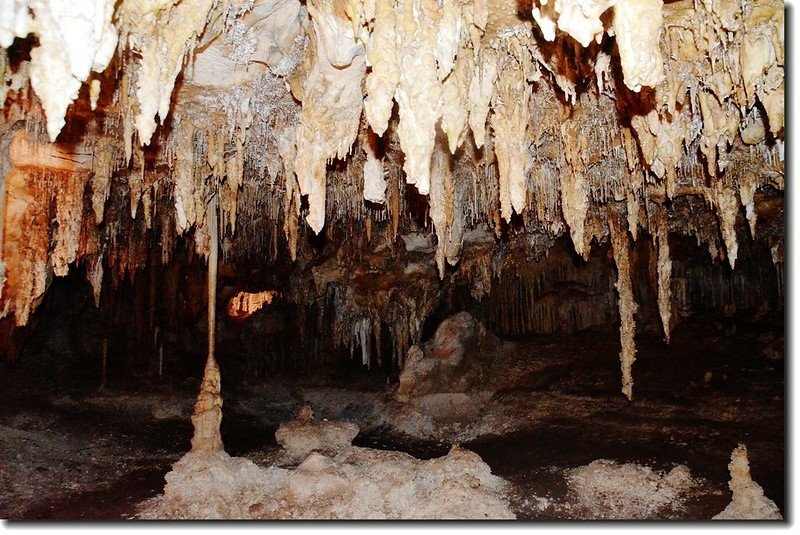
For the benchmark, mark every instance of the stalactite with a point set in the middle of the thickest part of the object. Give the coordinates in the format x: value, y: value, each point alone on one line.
x: 374, y: 181
x: 458, y: 223
x: 103, y: 166
x: 332, y: 105
x: 727, y: 207
x: 165, y: 36
x: 510, y: 119
x: 69, y: 210
x: 385, y: 74
x: 559, y: 148
x: 747, y: 189
x: 455, y: 96
x: 291, y: 199
x: 574, y: 202
x: 481, y: 90
x: 419, y: 92
x: 637, y: 26
x: 664, y: 267
x: 25, y: 255
x: 362, y: 331
x: 441, y: 201
x: 627, y: 305
x: 75, y: 38
x: 578, y: 18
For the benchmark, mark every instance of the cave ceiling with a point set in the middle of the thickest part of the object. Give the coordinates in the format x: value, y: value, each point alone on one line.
x: 509, y: 123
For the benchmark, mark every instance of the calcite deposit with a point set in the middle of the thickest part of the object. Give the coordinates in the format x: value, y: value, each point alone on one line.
x: 613, y: 491
x: 749, y: 502
x: 305, y: 434
x: 344, y: 483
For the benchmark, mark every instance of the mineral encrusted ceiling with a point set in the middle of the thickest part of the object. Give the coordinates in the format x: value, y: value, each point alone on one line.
x: 592, y: 117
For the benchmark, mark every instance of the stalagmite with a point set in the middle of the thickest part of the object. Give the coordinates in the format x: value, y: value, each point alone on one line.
x: 492, y: 133
x: 749, y: 502
x: 207, y: 414
x: 627, y: 305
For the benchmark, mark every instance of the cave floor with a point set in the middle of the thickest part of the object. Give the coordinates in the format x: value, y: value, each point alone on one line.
x: 87, y: 453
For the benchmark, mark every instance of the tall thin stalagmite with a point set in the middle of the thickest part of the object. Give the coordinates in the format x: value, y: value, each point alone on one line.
x: 208, y: 407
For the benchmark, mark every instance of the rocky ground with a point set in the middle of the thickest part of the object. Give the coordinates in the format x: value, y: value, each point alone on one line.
x: 554, y: 428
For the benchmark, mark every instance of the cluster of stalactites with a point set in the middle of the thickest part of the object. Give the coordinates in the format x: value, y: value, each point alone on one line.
x: 455, y: 68
x: 76, y: 38
x: 463, y: 75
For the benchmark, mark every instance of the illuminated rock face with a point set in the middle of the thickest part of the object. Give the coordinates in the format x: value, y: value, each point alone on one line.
x: 245, y: 304
x: 543, y: 125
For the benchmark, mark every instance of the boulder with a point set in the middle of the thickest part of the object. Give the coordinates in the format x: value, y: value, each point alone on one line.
x: 457, y: 359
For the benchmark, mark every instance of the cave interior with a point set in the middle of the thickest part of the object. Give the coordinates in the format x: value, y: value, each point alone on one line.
x: 401, y: 259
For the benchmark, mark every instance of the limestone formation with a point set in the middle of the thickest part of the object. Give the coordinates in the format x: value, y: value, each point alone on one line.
x: 609, y: 490
x: 305, y: 434
x: 456, y: 360
x: 749, y: 502
x: 355, y: 483
x: 207, y: 415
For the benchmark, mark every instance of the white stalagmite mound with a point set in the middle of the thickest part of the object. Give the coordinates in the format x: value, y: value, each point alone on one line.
x: 608, y: 490
x: 305, y: 435
x: 749, y: 502
x: 345, y: 483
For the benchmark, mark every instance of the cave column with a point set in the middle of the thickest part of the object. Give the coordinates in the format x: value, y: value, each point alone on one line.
x: 208, y: 407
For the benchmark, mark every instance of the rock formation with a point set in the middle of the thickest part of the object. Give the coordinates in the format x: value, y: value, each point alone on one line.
x: 458, y: 359
x: 343, y: 483
x: 305, y: 434
x: 749, y: 502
